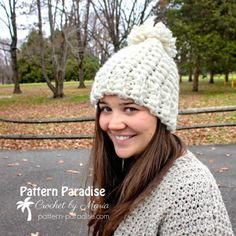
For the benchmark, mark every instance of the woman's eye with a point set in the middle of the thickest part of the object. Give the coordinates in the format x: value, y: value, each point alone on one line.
x: 105, y: 109
x: 130, y: 109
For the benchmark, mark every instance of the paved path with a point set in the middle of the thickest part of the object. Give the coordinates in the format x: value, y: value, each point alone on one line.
x: 55, y: 171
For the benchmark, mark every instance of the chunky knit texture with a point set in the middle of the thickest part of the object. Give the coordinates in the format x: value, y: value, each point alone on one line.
x: 187, y: 202
x: 144, y: 71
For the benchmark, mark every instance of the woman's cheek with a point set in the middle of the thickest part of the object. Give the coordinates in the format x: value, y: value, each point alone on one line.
x: 103, y: 122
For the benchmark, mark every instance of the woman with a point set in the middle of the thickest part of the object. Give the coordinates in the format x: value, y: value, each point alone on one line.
x: 153, y: 184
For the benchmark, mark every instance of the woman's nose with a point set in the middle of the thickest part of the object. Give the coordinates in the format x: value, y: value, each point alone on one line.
x: 116, y: 122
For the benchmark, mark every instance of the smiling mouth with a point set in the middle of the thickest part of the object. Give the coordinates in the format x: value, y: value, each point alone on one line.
x: 123, y: 137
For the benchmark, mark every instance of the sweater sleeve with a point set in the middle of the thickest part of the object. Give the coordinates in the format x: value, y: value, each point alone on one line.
x: 197, y: 209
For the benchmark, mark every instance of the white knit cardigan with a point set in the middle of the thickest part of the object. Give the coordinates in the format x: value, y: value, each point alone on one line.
x: 187, y: 202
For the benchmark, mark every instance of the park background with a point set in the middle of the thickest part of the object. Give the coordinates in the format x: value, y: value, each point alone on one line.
x: 47, y: 75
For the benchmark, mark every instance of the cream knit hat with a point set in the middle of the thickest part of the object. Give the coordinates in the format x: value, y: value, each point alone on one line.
x: 144, y: 71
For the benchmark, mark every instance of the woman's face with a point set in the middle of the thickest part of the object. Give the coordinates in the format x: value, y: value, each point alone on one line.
x: 129, y: 126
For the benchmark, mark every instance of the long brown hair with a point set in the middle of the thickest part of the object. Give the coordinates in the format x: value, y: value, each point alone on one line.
x: 127, y: 185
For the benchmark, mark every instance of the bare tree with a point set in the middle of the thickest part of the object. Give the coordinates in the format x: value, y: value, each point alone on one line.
x: 58, y: 43
x: 99, y: 41
x: 5, y: 62
x: 10, y: 23
x: 80, y: 14
x: 42, y: 51
x: 119, y: 16
x: 58, y: 24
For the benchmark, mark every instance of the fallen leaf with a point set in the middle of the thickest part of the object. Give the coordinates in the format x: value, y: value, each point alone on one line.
x: 13, y: 164
x: 222, y: 169
x: 211, y: 161
x: 72, y: 171
x: 35, y: 234
x: 49, y: 178
x: 199, y: 153
x: 72, y: 213
x: 32, y: 184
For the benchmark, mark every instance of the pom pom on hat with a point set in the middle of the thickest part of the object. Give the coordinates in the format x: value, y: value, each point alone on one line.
x: 145, y: 72
x: 159, y: 31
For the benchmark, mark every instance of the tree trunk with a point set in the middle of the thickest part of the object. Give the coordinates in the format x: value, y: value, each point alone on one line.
x: 190, y: 76
x: 59, y: 84
x: 82, y: 37
x: 196, y: 76
x: 211, y: 81
x: 58, y: 48
x: 81, y: 71
x: 13, y: 49
x: 227, y: 76
x: 195, y: 82
x: 42, y: 55
x: 17, y: 89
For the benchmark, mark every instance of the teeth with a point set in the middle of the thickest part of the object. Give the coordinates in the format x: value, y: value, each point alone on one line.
x: 122, y: 137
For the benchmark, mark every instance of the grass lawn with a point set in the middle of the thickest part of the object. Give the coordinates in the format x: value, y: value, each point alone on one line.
x: 36, y: 102
x: 209, y: 94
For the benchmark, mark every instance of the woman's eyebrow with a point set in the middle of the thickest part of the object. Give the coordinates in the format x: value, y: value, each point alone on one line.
x: 127, y: 103
x: 103, y: 103
x: 122, y: 103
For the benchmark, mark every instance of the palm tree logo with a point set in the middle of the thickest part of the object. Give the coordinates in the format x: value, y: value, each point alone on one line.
x: 25, y: 205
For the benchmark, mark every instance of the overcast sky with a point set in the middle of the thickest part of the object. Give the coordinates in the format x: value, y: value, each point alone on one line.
x: 28, y: 21
x: 22, y: 20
